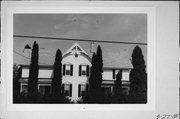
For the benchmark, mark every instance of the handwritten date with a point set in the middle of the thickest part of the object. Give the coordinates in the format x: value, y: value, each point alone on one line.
x: 167, y: 116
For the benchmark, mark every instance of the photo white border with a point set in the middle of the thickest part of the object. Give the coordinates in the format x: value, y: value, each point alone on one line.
x: 7, y: 56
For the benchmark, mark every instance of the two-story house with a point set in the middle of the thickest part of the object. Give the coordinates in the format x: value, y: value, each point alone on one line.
x: 76, y: 64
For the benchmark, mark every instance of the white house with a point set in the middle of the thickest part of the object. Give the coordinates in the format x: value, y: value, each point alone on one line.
x: 76, y: 65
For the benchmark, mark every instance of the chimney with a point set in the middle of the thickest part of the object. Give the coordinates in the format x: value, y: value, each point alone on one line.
x: 92, y: 47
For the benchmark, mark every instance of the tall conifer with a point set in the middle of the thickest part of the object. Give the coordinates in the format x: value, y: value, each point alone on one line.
x: 92, y: 79
x: 138, y: 78
x: 57, y: 77
x: 118, y: 96
x: 17, y: 71
x: 33, y: 74
x: 99, y: 61
x: 89, y: 98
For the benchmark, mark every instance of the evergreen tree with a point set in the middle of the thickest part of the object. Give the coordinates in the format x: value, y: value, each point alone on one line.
x: 95, y: 94
x: 118, y: 96
x: 95, y: 80
x: 99, y: 91
x: 138, y: 78
x: 92, y: 79
x: 33, y: 75
x: 92, y: 82
x: 57, y: 79
x: 99, y: 61
x: 17, y: 71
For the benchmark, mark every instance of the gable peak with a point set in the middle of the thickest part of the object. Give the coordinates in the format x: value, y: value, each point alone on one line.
x: 75, y: 49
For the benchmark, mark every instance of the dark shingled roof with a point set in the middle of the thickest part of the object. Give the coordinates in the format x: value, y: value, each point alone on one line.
x: 119, y: 59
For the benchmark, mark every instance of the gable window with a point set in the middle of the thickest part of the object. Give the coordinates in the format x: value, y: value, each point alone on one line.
x: 83, y: 70
x: 67, y: 70
x: 67, y: 89
x: 82, y: 89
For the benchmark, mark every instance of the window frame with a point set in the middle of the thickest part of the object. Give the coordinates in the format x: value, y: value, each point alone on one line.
x: 21, y: 88
x: 69, y: 91
x: 80, y: 91
x: 86, y: 70
x: 65, y: 71
x: 44, y: 85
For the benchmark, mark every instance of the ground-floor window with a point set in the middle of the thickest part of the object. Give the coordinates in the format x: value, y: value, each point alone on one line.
x: 67, y: 89
x: 24, y: 88
x: 82, y: 89
x: 44, y: 89
x: 125, y: 90
x: 108, y: 90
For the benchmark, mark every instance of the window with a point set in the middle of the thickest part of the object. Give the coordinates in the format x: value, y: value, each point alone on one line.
x: 83, y: 70
x: 107, y: 91
x: 24, y: 88
x: 115, y: 72
x: 44, y: 89
x: 82, y: 89
x: 125, y: 90
x: 67, y: 70
x: 67, y: 89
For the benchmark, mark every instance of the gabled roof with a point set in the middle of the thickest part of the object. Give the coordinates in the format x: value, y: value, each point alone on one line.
x: 114, y: 56
x: 75, y: 49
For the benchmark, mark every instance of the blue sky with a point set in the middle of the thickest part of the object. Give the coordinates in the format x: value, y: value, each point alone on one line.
x: 110, y: 27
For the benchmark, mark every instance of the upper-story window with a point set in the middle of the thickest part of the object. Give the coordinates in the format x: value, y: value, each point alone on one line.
x: 115, y: 72
x: 67, y: 70
x: 83, y: 70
